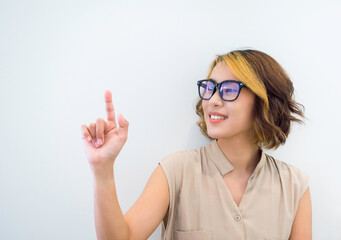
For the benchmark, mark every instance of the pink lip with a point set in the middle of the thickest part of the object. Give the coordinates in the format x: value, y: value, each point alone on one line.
x: 216, y: 120
x: 217, y: 114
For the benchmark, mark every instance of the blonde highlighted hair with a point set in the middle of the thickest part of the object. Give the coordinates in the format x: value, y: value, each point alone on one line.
x: 274, y: 105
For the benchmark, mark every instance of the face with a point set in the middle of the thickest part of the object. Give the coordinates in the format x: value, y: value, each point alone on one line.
x: 238, y: 113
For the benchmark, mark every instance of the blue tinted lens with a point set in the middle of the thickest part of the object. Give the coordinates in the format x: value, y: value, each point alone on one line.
x: 206, y: 89
x: 229, y: 90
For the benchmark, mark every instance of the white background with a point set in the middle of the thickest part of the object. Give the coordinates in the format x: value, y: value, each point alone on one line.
x: 58, y: 57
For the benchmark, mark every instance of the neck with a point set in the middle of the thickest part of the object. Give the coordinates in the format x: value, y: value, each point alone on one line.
x: 243, y: 155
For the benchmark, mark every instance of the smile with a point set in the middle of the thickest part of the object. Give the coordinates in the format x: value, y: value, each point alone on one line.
x: 217, y: 117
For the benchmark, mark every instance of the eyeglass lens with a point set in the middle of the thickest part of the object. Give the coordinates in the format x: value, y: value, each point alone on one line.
x: 228, y: 90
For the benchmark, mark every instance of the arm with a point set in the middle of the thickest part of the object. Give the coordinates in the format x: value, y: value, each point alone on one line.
x: 109, y: 219
x: 141, y: 220
x: 151, y: 207
x: 103, y: 142
x: 302, y: 226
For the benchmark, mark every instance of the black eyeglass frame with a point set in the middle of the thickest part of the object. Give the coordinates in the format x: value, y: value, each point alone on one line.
x: 217, y: 85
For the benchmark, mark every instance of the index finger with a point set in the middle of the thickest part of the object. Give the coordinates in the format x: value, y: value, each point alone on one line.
x: 109, y: 107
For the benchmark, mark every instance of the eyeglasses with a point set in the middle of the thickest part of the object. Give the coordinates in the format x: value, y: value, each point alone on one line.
x: 228, y: 90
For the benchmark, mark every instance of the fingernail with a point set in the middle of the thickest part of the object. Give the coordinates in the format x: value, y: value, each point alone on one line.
x: 89, y: 138
x: 99, y: 142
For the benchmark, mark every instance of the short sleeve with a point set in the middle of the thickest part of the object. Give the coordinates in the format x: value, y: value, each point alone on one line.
x: 172, y: 167
x: 304, y: 183
x: 300, y: 182
x: 294, y: 182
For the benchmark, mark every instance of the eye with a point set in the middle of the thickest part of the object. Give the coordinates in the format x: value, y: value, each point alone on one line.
x: 228, y: 90
x: 206, y: 86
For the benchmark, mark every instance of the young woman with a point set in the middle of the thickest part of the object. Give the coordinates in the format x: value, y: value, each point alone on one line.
x: 228, y: 189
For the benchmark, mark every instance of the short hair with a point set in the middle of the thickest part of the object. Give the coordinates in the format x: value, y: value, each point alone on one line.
x: 274, y: 104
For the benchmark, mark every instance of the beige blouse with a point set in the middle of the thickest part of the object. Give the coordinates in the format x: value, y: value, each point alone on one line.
x: 201, y: 205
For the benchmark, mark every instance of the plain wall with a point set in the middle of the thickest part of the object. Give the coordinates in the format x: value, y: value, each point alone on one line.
x: 58, y: 57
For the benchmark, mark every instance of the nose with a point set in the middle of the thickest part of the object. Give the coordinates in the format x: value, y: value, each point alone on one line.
x: 215, y: 99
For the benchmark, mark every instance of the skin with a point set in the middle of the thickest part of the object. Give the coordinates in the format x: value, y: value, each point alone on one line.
x: 104, y: 140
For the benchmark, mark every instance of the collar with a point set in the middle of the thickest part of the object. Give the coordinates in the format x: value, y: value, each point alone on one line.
x: 216, y: 155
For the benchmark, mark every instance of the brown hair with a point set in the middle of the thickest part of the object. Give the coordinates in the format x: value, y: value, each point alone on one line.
x: 274, y: 105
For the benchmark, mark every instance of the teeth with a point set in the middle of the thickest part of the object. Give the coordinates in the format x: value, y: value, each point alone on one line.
x: 217, y: 117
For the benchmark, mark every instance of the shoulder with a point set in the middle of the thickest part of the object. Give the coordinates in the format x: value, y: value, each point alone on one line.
x: 292, y: 177
x: 180, y: 159
x: 180, y: 165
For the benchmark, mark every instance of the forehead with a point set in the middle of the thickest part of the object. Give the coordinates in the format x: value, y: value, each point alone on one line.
x: 222, y: 72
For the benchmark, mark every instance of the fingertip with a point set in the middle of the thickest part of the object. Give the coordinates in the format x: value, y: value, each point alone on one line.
x: 120, y: 117
x: 93, y: 142
x: 126, y: 121
x: 122, y: 121
x: 86, y: 138
x: 107, y: 95
x: 85, y: 133
x: 99, y: 142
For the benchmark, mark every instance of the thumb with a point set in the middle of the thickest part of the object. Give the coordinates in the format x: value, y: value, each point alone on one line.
x: 122, y: 122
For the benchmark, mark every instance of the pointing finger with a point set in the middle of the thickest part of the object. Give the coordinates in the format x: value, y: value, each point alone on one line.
x: 110, y: 109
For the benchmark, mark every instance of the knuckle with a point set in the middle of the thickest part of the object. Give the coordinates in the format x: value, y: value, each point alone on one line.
x: 109, y: 107
x: 99, y: 120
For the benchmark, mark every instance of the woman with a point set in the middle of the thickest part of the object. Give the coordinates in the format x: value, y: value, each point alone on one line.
x: 228, y: 189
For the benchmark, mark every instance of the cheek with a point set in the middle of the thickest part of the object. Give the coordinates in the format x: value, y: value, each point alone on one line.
x: 204, y: 106
x: 243, y: 113
x: 246, y: 117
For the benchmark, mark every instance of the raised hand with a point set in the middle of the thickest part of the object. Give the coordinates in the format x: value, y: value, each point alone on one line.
x: 104, y: 140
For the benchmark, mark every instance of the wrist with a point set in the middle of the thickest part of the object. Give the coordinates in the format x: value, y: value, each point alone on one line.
x: 103, y: 174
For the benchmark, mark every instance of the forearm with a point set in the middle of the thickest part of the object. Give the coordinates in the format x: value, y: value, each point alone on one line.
x: 109, y: 220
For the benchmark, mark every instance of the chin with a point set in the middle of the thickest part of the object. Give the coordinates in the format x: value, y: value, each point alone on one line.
x: 216, y: 135
x: 227, y: 132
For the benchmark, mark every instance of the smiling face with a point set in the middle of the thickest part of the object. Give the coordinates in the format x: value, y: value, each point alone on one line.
x: 237, y: 115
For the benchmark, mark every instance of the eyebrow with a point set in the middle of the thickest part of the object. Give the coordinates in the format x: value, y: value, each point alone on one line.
x: 223, y: 80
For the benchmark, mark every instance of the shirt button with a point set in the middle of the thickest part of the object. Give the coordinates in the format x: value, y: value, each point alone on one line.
x: 237, y: 217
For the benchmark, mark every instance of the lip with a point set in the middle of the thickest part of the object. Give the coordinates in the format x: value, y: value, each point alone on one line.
x: 216, y: 120
x: 217, y: 114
